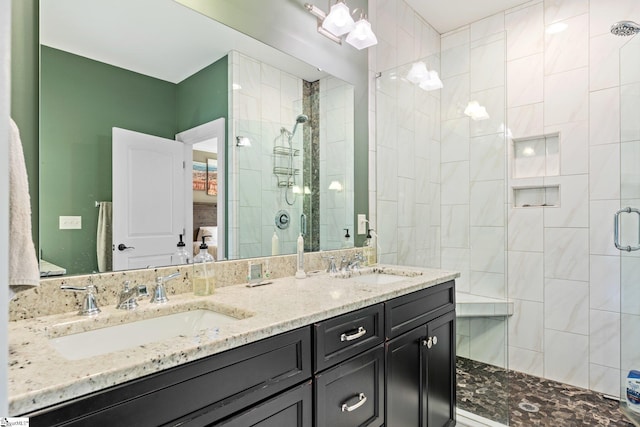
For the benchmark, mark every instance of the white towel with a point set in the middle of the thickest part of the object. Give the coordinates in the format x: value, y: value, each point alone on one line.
x: 103, y: 237
x: 23, y: 263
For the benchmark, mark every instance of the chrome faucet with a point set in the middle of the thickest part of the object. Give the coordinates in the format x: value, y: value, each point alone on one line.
x: 89, y: 304
x: 354, y: 264
x: 127, y: 299
x: 331, y: 267
x: 159, y: 292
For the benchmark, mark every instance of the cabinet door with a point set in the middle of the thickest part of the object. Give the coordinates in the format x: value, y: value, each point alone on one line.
x: 291, y: 409
x: 352, y: 393
x: 404, y: 379
x: 439, y: 372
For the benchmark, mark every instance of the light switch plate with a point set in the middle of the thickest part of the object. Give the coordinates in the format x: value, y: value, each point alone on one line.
x: 70, y: 222
x: 362, y: 224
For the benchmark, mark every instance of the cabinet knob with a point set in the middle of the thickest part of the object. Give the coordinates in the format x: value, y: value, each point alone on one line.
x: 361, y: 401
x: 427, y: 342
x: 435, y: 340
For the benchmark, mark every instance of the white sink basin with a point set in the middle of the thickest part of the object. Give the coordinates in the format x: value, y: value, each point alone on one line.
x: 128, y: 335
x: 378, y: 279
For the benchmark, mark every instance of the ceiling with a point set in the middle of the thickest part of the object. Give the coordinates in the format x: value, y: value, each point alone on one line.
x: 449, y: 15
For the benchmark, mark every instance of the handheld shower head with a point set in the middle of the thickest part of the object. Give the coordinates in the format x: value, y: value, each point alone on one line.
x: 625, y: 28
x: 302, y: 118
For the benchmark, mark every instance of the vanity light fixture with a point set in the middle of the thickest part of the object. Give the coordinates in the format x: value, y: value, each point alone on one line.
x: 243, y: 141
x: 556, y: 28
x: 476, y: 111
x: 335, y: 186
x: 339, y: 22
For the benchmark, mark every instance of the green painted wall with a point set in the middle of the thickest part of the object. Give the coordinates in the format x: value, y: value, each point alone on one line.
x: 81, y: 101
x: 203, y: 96
x: 24, y: 90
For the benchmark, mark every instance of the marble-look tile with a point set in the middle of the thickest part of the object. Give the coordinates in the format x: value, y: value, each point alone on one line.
x: 566, y: 97
x: 601, y: 227
x: 527, y: 361
x: 487, y: 64
x: 525, y: 229
x: 604, y: 338
x: 604, y: 123
x: 455, y: 97
x: 487, y: 158
x: 494, y: 102
x: 406, y: 202
x: 604, y: 379
x: 526, y: 275
x: 455, y: 61
x: 566, y: 253
x: 407, y: 246
x: 526, y: 120
x: 559, y: 10
x: 406, y: 154
x: 487, y: 204
x: 462, y: 345
x: 455, y: 38
x: 566, y: 306
x: 574, y: 205
x: 422, y: 184
x: 629, y: 104
x: 525, y: 77
x: 574, y: 146
x: 566, y: 357
x: 603, y: 15
x: 487, y: 249
x: 525, y: 31
x: 457, y: 259
x: 568, y: 49
x: 491, y: 285
x: 388, y: 226
x: 629, y: 63
x: 455, y: 226
x: 488, y: 330
x: 455, y: 140
x: 604, y: 182
x: 387, y: 180
x: 629, y: 155
x: 604, y: 61
x: 526, y: 326
x: 455, y: 183
x: 629, y: 347
x: 491, y: 25
x: 605, y: 283
x: 427, y: 39
x: 629, y: 289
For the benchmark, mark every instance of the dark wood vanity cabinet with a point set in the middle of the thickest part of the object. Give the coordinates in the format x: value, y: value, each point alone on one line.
x: 421, y: 362
x: 391, y: 363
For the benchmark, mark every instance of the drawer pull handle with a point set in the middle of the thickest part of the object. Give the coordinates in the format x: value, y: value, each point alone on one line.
x: 360, y: 332
x: 362, y: 399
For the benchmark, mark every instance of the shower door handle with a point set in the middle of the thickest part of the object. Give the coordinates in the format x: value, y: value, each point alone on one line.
x: 616, y: 229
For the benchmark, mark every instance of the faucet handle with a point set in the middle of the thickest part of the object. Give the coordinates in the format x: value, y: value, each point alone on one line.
x: 89, y: 304
x: 160, y: 293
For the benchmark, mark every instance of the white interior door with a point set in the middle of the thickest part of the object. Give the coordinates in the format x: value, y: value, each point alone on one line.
x: 148, y: 199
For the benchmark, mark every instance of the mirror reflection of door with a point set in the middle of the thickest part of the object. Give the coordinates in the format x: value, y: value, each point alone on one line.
x: 148, y: 199
x: 207, y: 143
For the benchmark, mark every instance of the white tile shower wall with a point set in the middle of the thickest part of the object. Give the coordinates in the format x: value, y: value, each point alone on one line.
x: 566, y: 82
x: 405, y: 161
x: 265, y: 100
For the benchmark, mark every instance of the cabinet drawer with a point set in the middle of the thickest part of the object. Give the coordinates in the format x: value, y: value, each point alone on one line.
x: 344, y: 336
x: 207, y: 390
x: 291, y: 409
x: 407, y: 312
x: 352, y: 393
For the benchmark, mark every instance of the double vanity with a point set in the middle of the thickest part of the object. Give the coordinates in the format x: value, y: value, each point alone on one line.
x: 376, y: 348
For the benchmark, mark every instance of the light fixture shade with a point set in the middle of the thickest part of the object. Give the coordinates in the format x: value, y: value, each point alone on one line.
x: 362, y: 36
x: 243, y: 141
x: 339, y: 20
x: 432, y: 82
x: 418, y: 72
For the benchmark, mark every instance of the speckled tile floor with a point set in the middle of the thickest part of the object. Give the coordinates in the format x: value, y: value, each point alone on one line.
x: 504, y: 396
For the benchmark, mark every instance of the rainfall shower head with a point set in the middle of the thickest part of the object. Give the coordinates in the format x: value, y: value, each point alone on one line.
x: 625, y: 28
x: 299, y: 120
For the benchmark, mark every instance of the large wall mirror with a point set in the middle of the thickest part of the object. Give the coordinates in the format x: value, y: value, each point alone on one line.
x: 264, y: 142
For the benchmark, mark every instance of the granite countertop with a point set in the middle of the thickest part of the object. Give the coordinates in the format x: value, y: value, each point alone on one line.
x: 39, y: 376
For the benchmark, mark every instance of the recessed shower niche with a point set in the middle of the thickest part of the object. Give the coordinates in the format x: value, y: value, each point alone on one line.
x: 533, y: 160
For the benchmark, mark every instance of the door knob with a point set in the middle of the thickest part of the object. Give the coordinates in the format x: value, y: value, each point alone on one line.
x: 122, y: 247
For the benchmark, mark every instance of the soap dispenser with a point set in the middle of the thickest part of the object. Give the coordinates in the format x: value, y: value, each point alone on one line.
x: 347, y: 243
x: 180, y: 256
x: 370, y: 251
x: 204, y: 280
